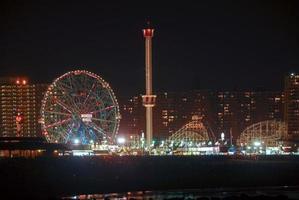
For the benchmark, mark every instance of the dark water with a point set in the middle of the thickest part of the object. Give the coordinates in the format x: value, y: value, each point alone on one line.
x: 51, y: 177
x: 280, y: 193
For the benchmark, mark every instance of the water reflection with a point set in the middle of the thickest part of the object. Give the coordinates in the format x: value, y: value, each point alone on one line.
x: 139, y: 195
x: 283, y: 192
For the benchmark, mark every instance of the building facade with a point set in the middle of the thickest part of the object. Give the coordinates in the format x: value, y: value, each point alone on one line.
x: 222, y: 112
x: 20, y: 104
x: 237, y: 110
x: 292, y: 105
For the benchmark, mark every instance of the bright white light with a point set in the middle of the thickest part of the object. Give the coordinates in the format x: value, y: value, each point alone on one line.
x: 257, y: 143
x: 222, y: 136
x: 76, y: 141
x: 91, y: 141
x: 153, y: 143
x: 121, y: 140
x: 172, y: 143
x: 82, y: 152
x: 181, y: 143
x: 292, y: 74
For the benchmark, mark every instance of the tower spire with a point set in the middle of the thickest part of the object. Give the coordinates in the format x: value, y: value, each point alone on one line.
x: 148, y: 99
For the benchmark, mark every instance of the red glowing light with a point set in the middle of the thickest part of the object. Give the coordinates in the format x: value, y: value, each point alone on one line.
x: 19, y: 118
x: 17, y: 82
x: 148, y: 32
x: 24, y: 82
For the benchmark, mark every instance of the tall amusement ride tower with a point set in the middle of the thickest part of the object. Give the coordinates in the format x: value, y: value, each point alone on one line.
x: 148, y: 99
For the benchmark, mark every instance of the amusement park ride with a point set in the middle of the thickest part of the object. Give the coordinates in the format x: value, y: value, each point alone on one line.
x: 80, y: 107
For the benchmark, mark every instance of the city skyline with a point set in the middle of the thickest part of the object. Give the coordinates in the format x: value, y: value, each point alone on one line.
x: 234, y: 82
x: 181, y: 106
x: 245, y: 45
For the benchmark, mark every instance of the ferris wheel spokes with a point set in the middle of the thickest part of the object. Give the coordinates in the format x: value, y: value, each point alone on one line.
x: 58, y: 123
x: 58, y: 113
x: 97, y: 128
x: 102, y: 120
x: 66, y: 93
x: 64, y: 106
x: 92, y: 87
x: 101, y: 110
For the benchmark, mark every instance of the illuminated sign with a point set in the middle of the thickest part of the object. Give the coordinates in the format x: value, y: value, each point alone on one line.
x: 86, y: 117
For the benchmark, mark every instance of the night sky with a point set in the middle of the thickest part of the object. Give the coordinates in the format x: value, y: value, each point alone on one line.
x: 219, y: 45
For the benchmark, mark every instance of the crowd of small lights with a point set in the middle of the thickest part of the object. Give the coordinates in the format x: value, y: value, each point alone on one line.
x: 126, y: 146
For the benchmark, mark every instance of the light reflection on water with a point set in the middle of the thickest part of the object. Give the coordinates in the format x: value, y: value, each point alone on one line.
x: 139, y: 195
x: 287, y: 192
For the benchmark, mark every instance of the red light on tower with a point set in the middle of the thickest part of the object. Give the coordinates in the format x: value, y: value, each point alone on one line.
x: 149, y: 32
x: 24, y: 82
x: 18, y: 82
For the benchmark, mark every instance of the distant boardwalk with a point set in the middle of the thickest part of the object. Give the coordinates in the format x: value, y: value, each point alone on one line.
x: 64, y: 176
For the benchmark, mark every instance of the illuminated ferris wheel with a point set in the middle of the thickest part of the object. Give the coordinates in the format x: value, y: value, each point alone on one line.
x: 80, y: 107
